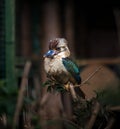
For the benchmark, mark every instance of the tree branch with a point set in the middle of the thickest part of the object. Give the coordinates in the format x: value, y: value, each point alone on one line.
x: 21, y: 93
x: 93, y: 117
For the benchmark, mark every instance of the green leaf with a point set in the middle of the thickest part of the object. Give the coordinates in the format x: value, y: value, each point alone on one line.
x: 47, y: 83
x: 60, y: 88
x: 49, y: 89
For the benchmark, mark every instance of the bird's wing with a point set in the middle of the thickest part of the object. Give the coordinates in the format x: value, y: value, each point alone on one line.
x: 72, y: 68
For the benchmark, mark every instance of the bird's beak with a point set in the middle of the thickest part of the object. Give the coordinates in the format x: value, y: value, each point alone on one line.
x: 50, y: 54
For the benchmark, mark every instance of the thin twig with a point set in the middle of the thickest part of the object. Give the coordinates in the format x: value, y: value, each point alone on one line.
x: 91, y: 75
x: 27, y: 121
x: 72, y: 91
x: 21, y: 93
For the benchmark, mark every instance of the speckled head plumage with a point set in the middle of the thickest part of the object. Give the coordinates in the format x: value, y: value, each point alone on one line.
x: 57, y: 42
x: 58, y: 47
x: 53, y: 43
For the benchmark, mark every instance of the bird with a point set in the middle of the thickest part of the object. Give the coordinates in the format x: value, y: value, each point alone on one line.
x: 59, y: 66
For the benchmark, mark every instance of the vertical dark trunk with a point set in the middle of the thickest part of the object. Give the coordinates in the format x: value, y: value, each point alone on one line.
x: 26, y: 45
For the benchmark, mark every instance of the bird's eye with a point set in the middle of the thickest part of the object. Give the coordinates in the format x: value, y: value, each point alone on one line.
x: 58, y: 48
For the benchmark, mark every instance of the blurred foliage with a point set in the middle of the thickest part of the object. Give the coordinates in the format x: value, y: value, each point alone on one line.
x: 50, y: 84
x: 109, y: 97
x: 8, y: 98
x: 82, y: 109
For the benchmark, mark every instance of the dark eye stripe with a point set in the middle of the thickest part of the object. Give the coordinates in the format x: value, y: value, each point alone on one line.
x: 58, y: 48
x: 63, y: 49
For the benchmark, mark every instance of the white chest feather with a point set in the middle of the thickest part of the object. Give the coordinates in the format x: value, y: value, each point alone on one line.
x: 54, y: 66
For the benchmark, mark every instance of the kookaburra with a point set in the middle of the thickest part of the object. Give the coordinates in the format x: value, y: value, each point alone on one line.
x: 58, y: 65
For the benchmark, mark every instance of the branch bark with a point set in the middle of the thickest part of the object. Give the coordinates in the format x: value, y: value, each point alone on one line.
x: 72, y: 91
x: 21, y: 93
x: 92, y: 120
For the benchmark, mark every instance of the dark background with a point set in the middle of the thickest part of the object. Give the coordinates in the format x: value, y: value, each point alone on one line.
x: 91, y: 28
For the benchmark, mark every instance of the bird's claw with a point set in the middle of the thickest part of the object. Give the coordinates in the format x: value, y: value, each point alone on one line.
x: 67, y: 86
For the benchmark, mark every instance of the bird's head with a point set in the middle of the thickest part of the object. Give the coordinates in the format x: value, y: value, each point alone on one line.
x: 58, y: 47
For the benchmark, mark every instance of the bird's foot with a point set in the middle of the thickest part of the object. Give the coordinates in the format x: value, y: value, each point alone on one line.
x: 67, y: 86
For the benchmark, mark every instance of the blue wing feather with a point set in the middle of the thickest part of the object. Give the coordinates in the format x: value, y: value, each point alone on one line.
x: 72, y: 68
